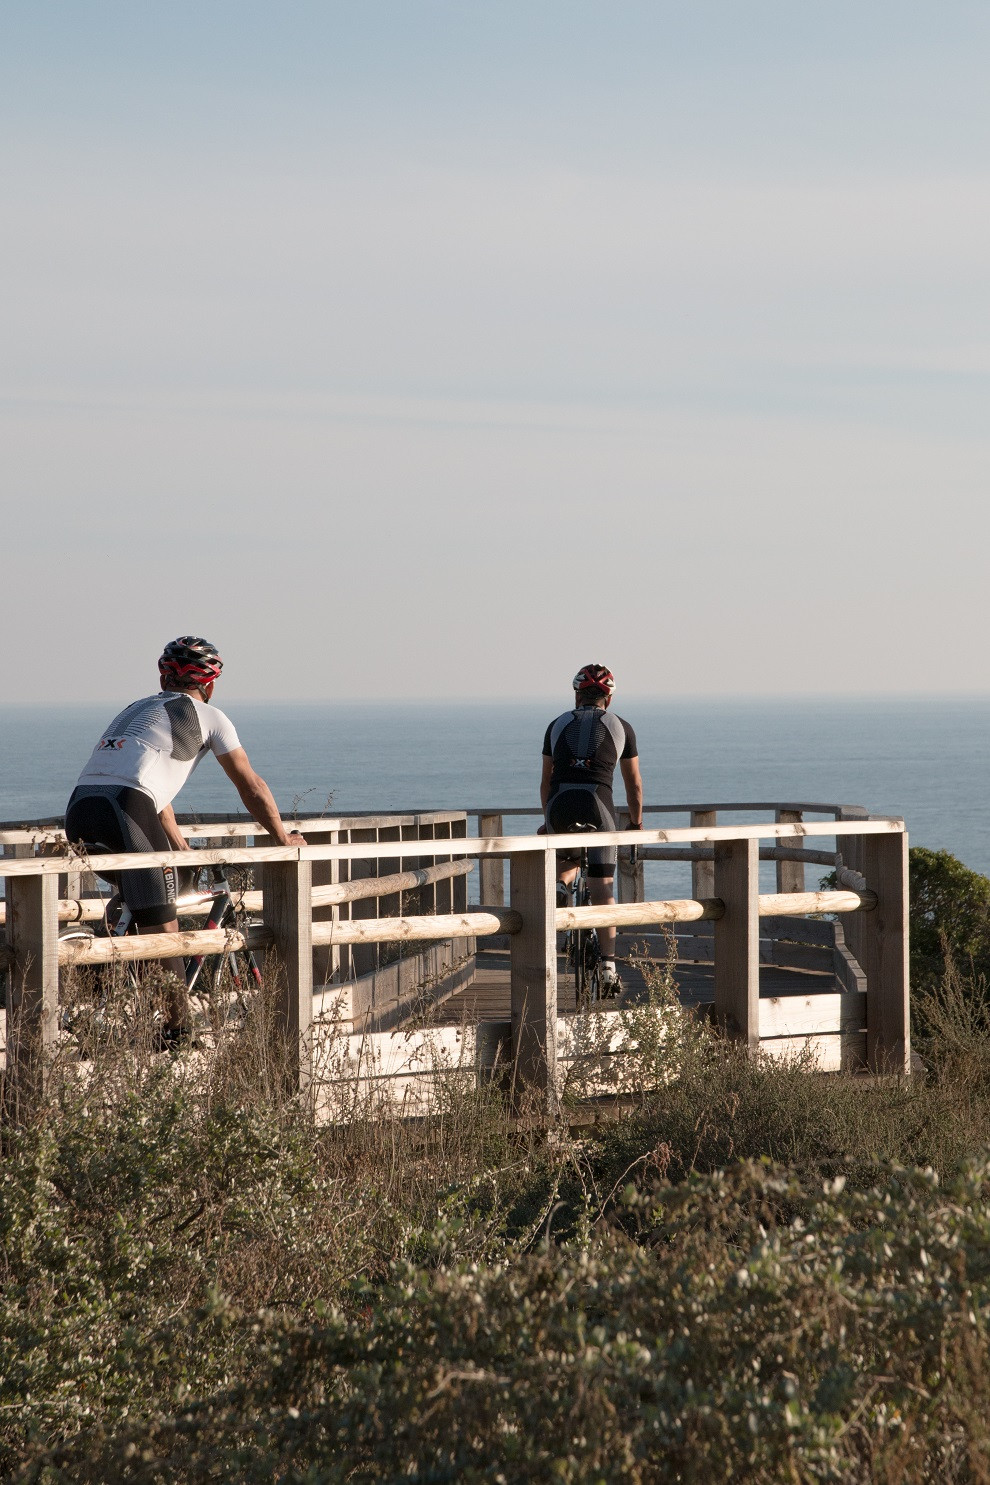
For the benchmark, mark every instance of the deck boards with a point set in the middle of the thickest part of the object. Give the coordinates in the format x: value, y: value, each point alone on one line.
x: 487, y: 997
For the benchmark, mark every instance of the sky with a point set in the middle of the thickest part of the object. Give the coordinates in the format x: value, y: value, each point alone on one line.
x: 419, y: 349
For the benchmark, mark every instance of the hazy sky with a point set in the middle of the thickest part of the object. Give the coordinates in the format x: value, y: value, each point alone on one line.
x: 416, y: 348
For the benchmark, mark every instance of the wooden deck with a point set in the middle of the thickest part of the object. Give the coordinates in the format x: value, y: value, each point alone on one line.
x: 487, y: 997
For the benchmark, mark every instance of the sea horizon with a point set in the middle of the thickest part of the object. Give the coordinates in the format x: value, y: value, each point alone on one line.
x: 919, y: 756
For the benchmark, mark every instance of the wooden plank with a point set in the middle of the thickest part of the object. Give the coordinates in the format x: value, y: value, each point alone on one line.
x: 804, y: 1015
x: 737, y: 963
x: 884, y: 938
x: 703, y: 872
x: 799, y: 930
x: 491, y: 873
x: 288, y: 915
x: 843, y: 1051
x: 32, y: 986
x: 495, y: 846
x: 790, y: 874
x: 533, y: 983
x: 812, y: 957
x: 847, y: 970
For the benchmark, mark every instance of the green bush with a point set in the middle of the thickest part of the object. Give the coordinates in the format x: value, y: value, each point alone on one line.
x: 950, y: 916
x: 757, y: 1276
x: 848, y: 1343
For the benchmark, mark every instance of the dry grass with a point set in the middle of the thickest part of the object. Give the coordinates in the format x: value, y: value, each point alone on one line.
x: 198, y: 1283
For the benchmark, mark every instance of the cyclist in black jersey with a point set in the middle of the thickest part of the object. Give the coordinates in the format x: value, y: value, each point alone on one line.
x: 123, y: 799
x: 580, y: 751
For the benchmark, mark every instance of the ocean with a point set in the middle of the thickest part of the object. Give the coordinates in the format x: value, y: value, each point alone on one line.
x: 923, y: 758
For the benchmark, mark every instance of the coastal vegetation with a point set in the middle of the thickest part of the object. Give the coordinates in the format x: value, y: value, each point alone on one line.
x: 759, y: 1273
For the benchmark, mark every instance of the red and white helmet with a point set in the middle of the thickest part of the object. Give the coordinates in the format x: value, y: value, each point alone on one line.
x: 190, y: 660
x: 595, y: 678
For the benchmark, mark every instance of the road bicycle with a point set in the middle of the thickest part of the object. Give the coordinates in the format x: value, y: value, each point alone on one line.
x: 581, y: 947
x: 218, y: 984
x: 582, y: 951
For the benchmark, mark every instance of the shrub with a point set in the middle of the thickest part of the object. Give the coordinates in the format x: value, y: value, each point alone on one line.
x: 950, y: 916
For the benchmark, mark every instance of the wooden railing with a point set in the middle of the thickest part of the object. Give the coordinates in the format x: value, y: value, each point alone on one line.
x: 381, y: 982
x: 877, y: 906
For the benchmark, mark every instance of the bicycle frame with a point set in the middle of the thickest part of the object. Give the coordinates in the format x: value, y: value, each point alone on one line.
x: 221, y: 912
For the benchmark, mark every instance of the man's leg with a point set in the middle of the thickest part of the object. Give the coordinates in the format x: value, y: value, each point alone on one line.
x: 178, y: 1013
x: 601, y: 891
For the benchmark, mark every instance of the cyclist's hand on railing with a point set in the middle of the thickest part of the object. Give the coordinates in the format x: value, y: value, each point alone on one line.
x: 633, y: 850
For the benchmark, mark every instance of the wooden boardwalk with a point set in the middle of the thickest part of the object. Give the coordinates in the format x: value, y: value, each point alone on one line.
x: 487, y: 997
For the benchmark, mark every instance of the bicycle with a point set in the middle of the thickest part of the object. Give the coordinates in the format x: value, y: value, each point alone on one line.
x: 582, y: 951
x: 222, y: 979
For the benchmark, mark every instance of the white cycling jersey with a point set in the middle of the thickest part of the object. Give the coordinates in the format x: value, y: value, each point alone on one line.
x: 155, y: 744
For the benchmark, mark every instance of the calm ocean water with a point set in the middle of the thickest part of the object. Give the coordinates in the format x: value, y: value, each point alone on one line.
x: 924, y: 758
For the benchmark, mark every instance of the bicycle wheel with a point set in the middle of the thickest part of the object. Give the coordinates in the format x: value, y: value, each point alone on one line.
x: 593, y: 966
x: 580, y: 968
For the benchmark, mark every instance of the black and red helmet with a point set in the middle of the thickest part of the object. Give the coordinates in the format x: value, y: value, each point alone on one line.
x: 190, y: 660
x: 595, y: 678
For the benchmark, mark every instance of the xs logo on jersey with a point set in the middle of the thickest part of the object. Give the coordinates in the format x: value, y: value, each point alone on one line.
x: 106, y: 743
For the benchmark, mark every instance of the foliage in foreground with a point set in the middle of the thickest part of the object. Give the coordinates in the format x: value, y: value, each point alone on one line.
x: 198, y: 1285
x: 950, y: 916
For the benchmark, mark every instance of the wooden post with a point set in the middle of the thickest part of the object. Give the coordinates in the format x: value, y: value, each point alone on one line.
x: 630, y: 877
x: 32, y: 986
x: 491, y: 874
x: 703, y: 872
x: 737, y: 939
x: 288, y: 912
x: 326, y: 960
x: 884, y: 953
x: 533, y: 979
x: 790, y: 874
x: 850, y: 847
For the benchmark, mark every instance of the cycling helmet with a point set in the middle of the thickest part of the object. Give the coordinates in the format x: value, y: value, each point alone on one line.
x: 190, y: 660
x: 595, y: 678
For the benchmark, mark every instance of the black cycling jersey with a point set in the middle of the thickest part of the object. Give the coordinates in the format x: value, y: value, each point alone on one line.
x: 585, y: 745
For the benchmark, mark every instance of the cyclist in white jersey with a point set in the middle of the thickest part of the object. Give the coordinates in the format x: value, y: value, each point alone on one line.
x: 123, y: 799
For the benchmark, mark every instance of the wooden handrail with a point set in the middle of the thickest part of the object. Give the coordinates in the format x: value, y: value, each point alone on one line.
x: 458, y: 846
x: 876, y: 853
x: 92, y: 909
x: 477, y: 922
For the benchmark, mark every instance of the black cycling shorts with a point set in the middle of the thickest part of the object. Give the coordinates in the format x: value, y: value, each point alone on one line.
x: 112, y: 820
x: 579, y: 808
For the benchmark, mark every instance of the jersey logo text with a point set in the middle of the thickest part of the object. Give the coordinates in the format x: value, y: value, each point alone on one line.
x: 107, y: 743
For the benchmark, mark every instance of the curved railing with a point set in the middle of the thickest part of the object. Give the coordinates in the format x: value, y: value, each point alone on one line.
x: 875, y: 910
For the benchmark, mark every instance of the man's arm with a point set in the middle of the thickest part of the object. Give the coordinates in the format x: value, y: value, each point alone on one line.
x: 545, y: 781
x: 170, y: 826
x: 256, y: 796
x: 634, y: 790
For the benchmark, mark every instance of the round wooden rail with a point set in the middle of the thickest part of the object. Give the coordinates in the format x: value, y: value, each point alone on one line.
x: 689, y: 910
x: 92, y: 909
x: 477, y: 923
